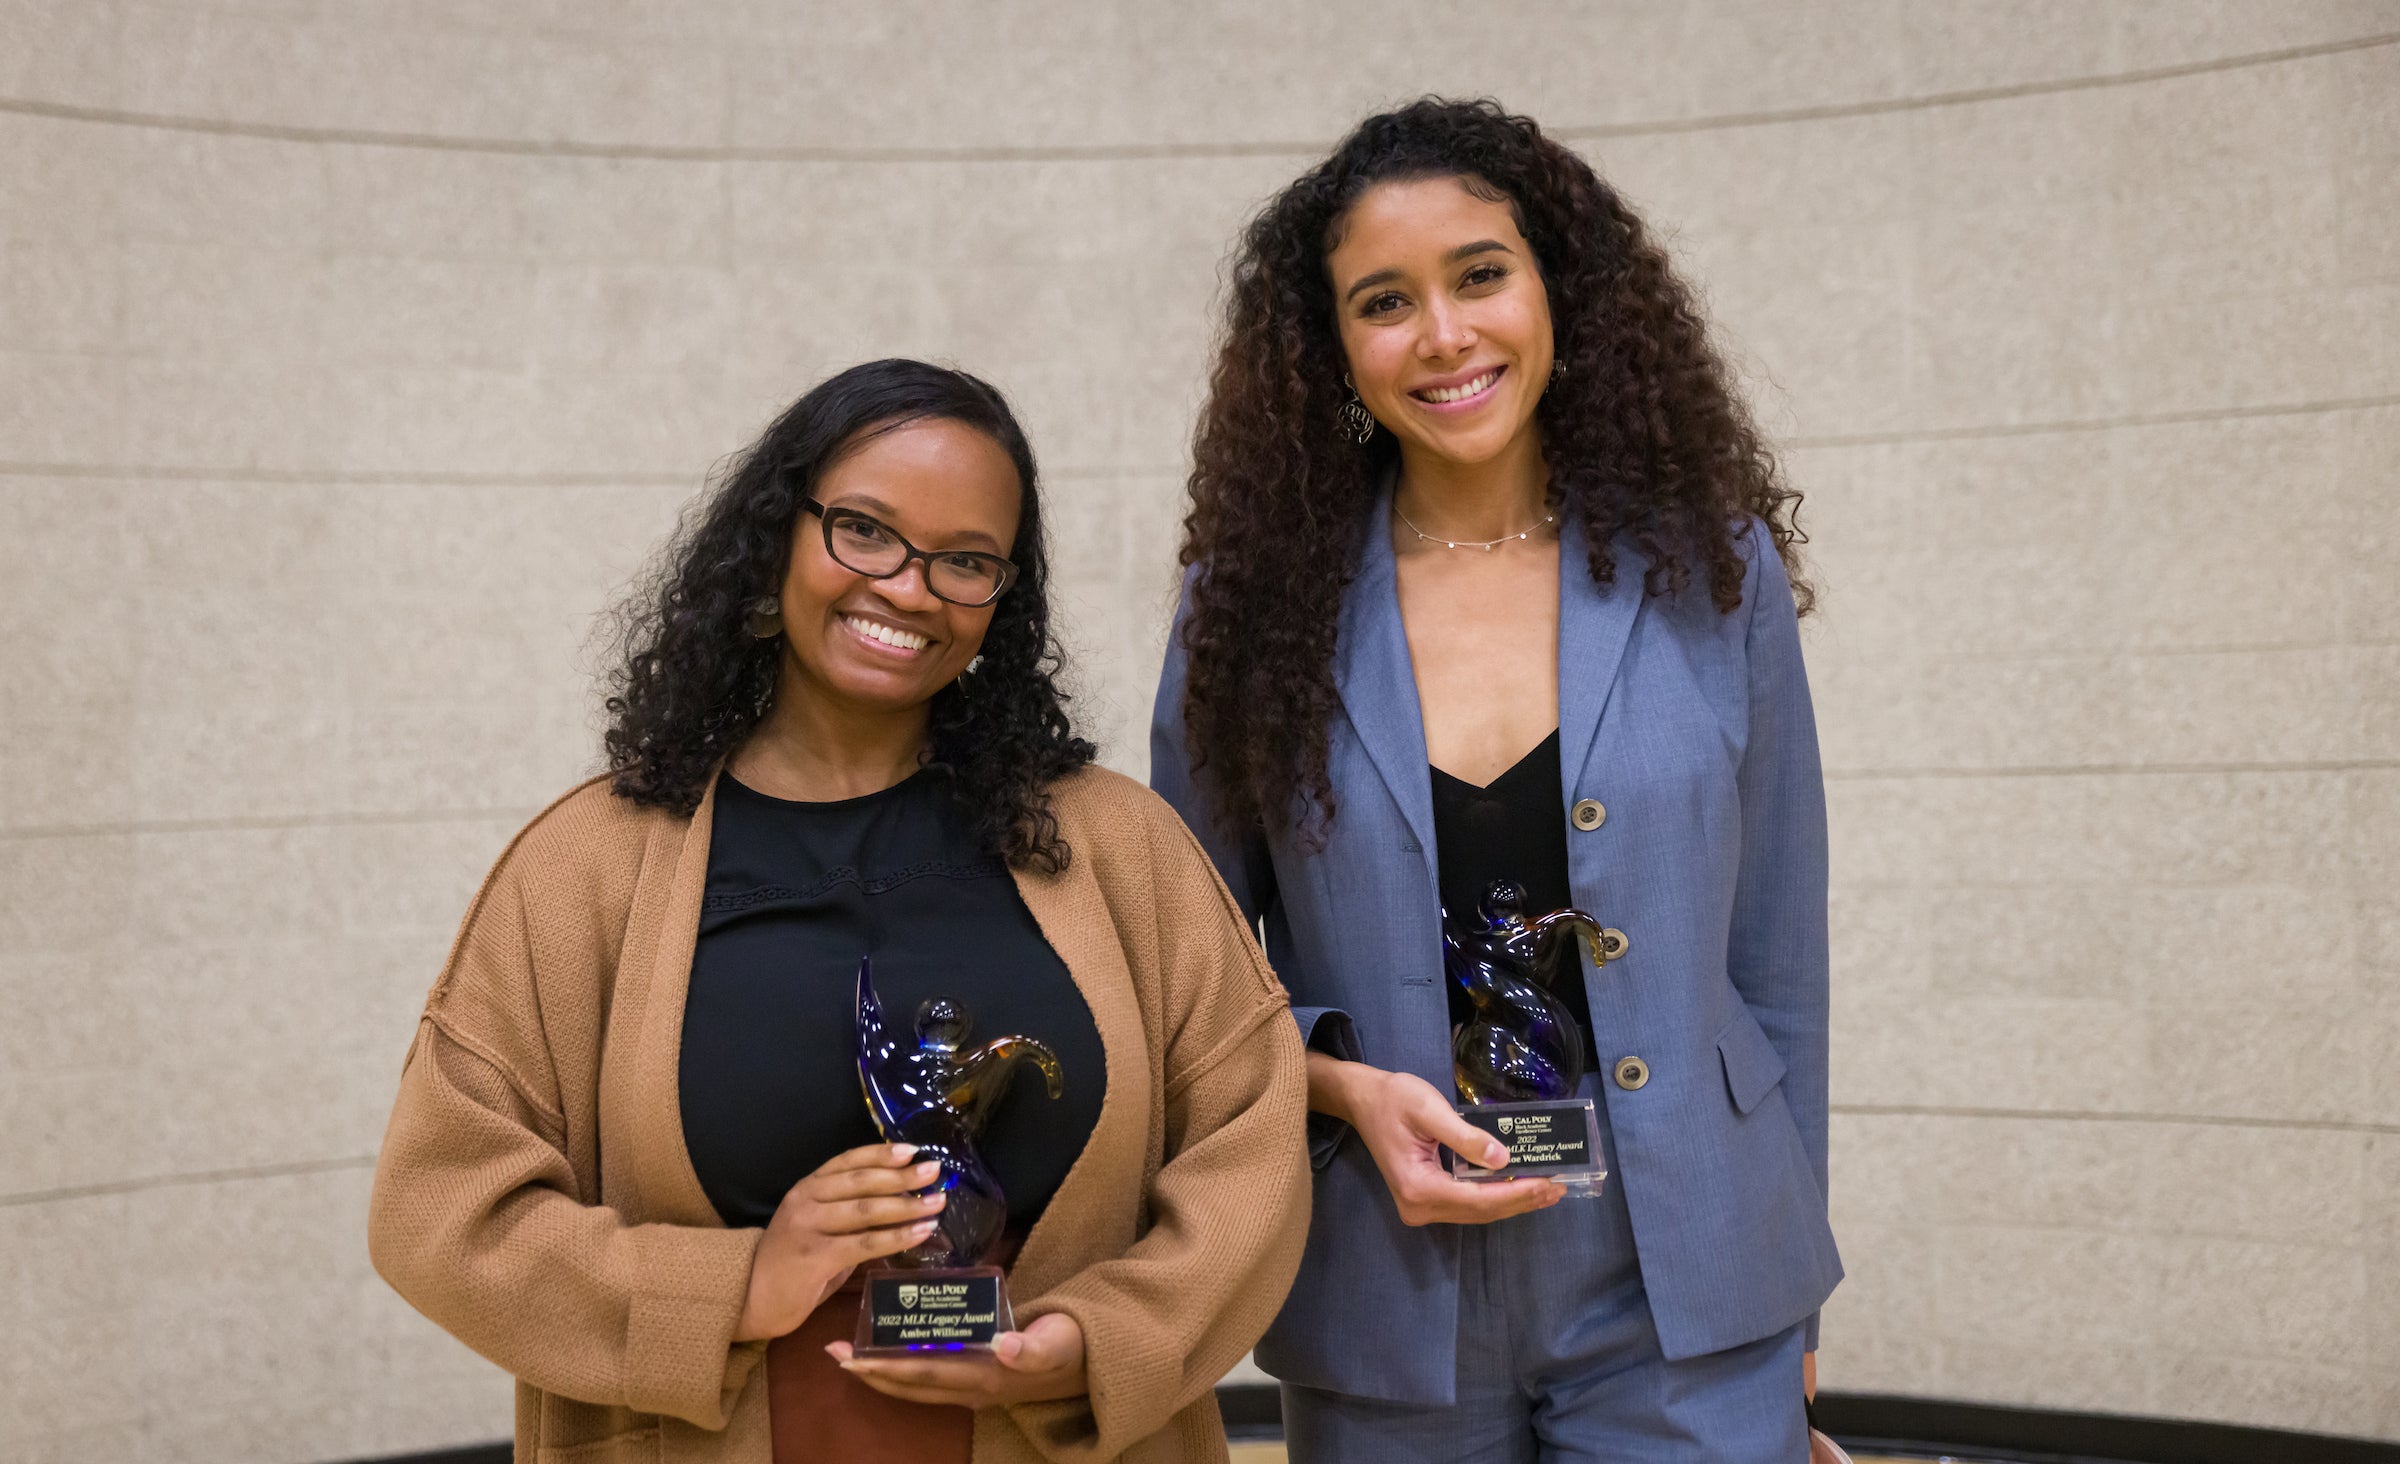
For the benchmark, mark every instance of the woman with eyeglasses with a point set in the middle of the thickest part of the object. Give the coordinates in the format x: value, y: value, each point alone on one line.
x: 631, y: 1162
x: 1489, y: 576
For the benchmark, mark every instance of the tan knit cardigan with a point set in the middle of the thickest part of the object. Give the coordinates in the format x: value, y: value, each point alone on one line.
x: 534, y: 1196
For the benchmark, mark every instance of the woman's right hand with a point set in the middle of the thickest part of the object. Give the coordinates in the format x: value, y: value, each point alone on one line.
x: 1405, y: 1122
x: 858, y: 1206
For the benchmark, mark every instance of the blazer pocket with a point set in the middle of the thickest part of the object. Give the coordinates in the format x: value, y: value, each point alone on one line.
x: 1752, y: 1065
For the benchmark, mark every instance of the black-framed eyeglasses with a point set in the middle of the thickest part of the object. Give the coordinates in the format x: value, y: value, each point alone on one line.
x: 864, y: 544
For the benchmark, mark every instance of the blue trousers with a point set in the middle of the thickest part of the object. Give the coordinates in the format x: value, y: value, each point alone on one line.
x: 1558, y: 1361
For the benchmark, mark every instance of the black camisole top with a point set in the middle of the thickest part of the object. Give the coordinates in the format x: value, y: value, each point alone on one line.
x: 1513, y: 827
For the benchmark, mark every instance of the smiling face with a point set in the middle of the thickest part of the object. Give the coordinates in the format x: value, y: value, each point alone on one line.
x: 1444, y: 318
x: 886, y: 645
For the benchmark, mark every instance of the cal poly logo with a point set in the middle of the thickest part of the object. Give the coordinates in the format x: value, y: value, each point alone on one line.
x: 908, y: 1293
x: 1508, y: 1122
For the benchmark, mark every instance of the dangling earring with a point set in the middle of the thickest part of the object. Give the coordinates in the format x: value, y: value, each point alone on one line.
x: 765, y: 619
x: 960, y: 680
x: 1558, y: 368
x: 1358, y: 424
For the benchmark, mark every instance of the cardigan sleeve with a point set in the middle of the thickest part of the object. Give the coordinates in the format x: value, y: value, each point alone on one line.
x: 1228, y: 1208
x: 481, y: 1221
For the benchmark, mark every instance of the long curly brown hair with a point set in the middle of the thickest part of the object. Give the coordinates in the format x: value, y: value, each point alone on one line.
x: 1643, y: 435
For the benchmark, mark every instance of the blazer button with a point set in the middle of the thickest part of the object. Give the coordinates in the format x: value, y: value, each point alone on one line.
x: 1588, y: 814
x: 1632, y: 1072
x: 1613, y: 943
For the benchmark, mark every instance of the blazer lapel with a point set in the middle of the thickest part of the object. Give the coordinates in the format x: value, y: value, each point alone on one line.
x: 1377, y: 681
x: 1593, y: 624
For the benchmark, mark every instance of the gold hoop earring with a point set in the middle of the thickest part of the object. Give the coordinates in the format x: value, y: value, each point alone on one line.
x: 765, y: 618
x: 1358, y: 424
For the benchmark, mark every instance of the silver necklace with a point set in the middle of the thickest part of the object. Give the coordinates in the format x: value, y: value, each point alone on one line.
x: 1487, y: 545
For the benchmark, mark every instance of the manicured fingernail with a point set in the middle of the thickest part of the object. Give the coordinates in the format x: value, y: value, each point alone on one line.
x: 923, y: 1227
x: 928, y: 1169
x: 902, y: 1153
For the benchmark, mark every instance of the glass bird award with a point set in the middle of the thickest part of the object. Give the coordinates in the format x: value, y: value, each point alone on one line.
x: 945, y: 1294
x: 1519, y: 1056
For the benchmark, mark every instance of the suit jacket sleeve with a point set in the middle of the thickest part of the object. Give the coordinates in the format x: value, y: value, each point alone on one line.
x: 1778, y: 954
x: 1242, y: 861
x: 480, y: 1219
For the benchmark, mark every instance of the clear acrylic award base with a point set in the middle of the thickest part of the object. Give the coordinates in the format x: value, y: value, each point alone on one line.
x: 958, y: 1309
x: 1556, y: 1139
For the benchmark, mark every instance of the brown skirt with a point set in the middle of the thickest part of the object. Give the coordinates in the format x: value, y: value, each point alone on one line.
x: 822, y: 1415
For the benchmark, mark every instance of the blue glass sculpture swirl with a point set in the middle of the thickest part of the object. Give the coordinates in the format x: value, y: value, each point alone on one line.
x: 928, y: 1093
x: 1521, y: 1045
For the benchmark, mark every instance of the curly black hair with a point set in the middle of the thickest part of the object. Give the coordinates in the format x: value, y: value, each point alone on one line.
x: 1642, y: 432
x: 693, y: 681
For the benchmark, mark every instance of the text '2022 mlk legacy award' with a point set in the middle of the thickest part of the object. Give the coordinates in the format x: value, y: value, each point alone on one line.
x: 1519, y: 1057
x: 944, y: 1294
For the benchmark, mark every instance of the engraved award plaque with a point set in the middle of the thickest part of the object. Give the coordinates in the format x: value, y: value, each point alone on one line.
x: 1518, y: 1058
x: 945, y: 1295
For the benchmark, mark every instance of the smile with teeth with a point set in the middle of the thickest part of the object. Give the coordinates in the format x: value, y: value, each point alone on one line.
x: 1440, y: 395
x: 903, y: 640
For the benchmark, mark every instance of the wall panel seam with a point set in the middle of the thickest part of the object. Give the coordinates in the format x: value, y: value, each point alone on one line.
x: 340, y: 477
x: 1916, y: 1110
x: 354, y: 478
x: 1968, y: 96
x: 169, y: 1181
x: 2092, y: 424
x: 136, y: 829
x: 2135, y: 653
x: 2087, y: 770
x: 1138, y: 152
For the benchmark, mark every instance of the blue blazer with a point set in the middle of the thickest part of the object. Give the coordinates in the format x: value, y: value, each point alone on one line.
x: 1693, y: 729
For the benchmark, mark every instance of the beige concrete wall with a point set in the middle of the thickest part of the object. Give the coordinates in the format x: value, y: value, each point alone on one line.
x: 351, y: 354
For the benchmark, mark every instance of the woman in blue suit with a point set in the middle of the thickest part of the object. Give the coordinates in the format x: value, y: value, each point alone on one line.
x: 1489, y: 575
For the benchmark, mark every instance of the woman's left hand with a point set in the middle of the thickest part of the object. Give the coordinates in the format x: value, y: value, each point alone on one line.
x: 1042, y: 1362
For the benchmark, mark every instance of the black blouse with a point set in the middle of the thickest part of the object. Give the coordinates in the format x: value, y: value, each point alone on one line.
x: 797, y: 893
x: 1513, y: 827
